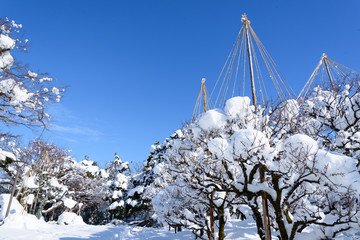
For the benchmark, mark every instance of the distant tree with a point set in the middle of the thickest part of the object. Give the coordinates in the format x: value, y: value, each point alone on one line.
x: 86, y: 184
x: 51, y: 179
x: 142, y: 187
x: 119, y: 176
x: 39, y: 188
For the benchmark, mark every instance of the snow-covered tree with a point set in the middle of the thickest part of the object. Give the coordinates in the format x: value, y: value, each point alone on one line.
x: 142, y: 187
x: 307, y: 187
x: 7, y: 170
x: 39, y: 188
x: 86, y: 184
x: 118, y: 181
x: 52, y: 182
x: 25, y: 94
x: 333, y: 117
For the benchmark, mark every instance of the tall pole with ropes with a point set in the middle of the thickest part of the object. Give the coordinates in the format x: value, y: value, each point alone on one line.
x: 204, y: 93
x: 324, y: 59
x: 211, y: 208
x: 253, y: 92
x: 327, y: 70
x: 251, y: 67
x: 202, y: 97
x: 234, y: 75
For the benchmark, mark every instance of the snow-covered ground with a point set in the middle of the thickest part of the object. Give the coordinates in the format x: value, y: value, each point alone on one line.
x: 20, y: 225
x: 236, y: 230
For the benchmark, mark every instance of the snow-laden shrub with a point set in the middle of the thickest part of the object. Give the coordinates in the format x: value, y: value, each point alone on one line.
x: 216, y: 165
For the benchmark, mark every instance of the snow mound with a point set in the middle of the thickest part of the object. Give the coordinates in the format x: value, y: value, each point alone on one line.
x: 237, y: 106
x: 69, y: 203
x: 70, y: 218
x: 18, y: 218
x: 212, y: 119
x: 24, y: 221
x: 16, y: 207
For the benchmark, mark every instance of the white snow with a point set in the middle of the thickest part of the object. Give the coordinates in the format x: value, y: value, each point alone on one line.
x: 237, y: 230
x: 290, y: 109
x: 29, y: 182
x: 4, y: 154
x: 55, y: 183
x: 29, y: 199
x: 16, y: 93
x: 237, y: 107
x: 32, y: 74
x: 71, y: 226
x: 6, y: 42
x: 138, y: 189
x: 55, y: 90
x: 70, y: 218
x: 104, y: 174
x: 116, y: 204
x: 212, y: 119
x: 6, y: 60
x: 69, y: 203
x: 89, y: 167
x: 16, y: 208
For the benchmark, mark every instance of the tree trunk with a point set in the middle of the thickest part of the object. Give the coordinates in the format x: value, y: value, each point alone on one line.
x: 221, y: 223
x: 211, y: 213
x: 259, y: 223
x: 265, y: 207
x: 277, y: 208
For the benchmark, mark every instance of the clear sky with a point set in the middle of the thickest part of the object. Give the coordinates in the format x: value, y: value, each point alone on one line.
x: 134, y: 68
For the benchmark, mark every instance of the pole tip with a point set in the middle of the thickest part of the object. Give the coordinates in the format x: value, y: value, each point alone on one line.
x: 245, y: 19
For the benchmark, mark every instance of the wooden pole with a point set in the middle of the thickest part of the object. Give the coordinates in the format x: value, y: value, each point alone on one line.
x: 253, y: 91
x: 12, y: 192
x: 204, y: 93
x: 252, y: 79
x: 211, y: 207
x: 324, y: 58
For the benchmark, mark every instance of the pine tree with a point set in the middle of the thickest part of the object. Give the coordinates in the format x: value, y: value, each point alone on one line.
x: 142, y: 186
x: 119, y: 175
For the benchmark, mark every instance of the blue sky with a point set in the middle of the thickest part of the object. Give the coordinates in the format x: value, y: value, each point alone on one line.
x: 134, y: 67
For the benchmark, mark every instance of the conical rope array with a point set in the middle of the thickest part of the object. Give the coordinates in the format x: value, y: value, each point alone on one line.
x: 330, y: 75
x: 233, y: 79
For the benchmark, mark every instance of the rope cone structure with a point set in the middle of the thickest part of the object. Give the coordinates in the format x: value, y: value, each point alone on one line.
x: 266, y: 81
x: 330, y: 75
x: 245, y: 74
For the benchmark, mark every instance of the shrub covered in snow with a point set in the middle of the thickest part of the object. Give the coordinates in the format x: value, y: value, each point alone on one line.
x: 217, y: 164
